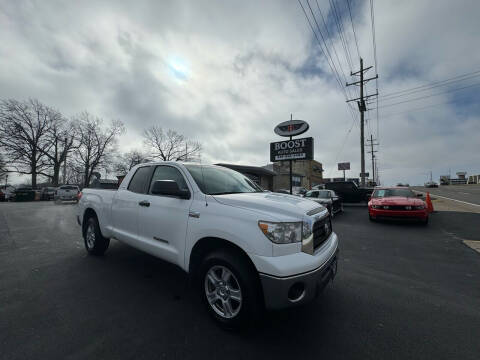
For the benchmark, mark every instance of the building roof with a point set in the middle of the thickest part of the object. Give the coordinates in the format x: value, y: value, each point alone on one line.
x: 257, y: 170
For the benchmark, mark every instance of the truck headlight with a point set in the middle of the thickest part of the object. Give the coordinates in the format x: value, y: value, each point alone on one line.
x: 282, y: 232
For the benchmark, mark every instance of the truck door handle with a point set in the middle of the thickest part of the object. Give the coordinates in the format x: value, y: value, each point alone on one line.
x: 144, y: 203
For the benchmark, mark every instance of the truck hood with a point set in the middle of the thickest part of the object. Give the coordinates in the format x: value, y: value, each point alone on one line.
x: 274, y: 204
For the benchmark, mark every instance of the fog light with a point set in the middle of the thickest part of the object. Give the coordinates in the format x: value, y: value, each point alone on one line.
x: 296, y: 292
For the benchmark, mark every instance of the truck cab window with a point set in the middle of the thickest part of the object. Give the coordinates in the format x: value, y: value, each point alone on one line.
x: 164, y: 172
x: 139, y: 180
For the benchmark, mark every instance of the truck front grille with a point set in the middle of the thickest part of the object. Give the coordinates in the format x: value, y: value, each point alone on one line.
x: 321, y: 231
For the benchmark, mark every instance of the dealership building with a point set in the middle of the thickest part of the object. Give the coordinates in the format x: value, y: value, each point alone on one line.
x: 306, y: 173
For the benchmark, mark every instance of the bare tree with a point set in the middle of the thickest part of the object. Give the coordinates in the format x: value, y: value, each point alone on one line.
x: 128, y: 160
x: 23, y: 129
x: 3, y: 168
x: 95, y: 143
x: 170, y: 145
x: 60, y: 136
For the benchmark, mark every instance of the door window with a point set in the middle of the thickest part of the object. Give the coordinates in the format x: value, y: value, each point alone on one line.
x: 311, y: 194
x: 139, y: 180
x: 164, y: 172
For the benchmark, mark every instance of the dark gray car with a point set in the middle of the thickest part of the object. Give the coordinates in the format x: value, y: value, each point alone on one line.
x: 327, y: 198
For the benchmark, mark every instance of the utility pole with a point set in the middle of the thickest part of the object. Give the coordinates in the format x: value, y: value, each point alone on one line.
x: 291, y: 187
x: 65, y: 163
x: 372, y: 144
x: 362, y: 108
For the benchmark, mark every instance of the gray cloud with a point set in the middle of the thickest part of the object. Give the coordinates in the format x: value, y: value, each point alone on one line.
x: 225, y: 73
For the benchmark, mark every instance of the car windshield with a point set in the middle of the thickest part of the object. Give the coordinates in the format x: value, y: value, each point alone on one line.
x: 214, y: 180
x: 381, y: 193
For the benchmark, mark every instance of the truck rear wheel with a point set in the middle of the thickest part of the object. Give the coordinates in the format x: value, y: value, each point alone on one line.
x: 95, y: 243
x: 229, y: 289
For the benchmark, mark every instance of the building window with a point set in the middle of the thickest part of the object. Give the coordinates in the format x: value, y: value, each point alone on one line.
x: 296, y: 181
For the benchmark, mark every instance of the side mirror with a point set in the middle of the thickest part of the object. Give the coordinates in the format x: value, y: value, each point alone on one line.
x: 169, y: 188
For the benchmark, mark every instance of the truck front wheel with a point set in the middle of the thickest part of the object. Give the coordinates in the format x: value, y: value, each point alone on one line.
x: 229, y: 289
x: 95, y: 243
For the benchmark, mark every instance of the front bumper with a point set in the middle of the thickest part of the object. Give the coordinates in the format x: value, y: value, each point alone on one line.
x: 283, y: 292
x: 408, y: 214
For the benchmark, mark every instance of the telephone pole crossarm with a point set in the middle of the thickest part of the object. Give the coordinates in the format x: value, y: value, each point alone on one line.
x: 362, y: 81
x: 365, y: 97
x: 358, y: 72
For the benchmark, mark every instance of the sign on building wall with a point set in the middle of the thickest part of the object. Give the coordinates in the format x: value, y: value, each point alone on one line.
x: 296, y: 149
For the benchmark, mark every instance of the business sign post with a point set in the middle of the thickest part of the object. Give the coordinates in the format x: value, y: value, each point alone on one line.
x: 298, y: 149
x: 344, y: 166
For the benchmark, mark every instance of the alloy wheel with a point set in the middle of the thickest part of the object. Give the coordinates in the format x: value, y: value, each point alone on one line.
x: 90, y: 236
x: 223, y: 292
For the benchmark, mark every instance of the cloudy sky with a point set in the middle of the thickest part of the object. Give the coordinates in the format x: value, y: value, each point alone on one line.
x: 226, y: 72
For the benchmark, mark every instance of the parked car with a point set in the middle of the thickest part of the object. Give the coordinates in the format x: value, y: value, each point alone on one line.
x: 245, y: 249
x: 397, y: 202
x: 327, y: 198
x: 67, y: 193
x: 349, y: 191
x: 431, y: 184
x: 24, y: 193
x: 47, y: 193
x: 299, y: 191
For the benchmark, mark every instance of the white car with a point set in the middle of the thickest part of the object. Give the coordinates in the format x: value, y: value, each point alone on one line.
x: 67, y: 193
x: 245, y: 249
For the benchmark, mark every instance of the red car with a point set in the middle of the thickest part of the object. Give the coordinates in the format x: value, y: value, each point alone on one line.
x: 397, y: 202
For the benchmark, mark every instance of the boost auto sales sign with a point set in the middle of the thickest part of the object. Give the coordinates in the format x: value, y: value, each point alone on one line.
x: 296, y: 149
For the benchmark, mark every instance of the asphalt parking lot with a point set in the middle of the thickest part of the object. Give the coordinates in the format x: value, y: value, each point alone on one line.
x: 403, y: 291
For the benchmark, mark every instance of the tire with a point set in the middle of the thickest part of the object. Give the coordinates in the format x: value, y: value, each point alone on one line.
x: 95, y: 243
x: 225, y: 277
x: 425, y: 222
x: 330, y: 210
x: 371, y: 218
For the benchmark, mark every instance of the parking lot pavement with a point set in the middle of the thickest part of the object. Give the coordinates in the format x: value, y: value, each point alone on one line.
x: 402, y: 291
x: 467, y: 193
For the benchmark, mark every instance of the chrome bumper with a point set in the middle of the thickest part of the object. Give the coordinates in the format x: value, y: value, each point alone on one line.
x: 283, y: 292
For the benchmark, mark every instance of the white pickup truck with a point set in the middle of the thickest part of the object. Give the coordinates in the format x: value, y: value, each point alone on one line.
x: 245, y: 249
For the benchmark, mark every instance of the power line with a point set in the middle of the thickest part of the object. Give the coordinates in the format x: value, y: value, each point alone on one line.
x: 372, y: 17
x: 324, y: 43
x: 344, y: 142
x: 334, y: 72
x: 331, y: 41
x: 332, y: 44
x: 353, y: 27
x: 341, y: 34
x: 435, y: 84
x: 418, y: 109
x: 429, y: 96
x: 337, y: 77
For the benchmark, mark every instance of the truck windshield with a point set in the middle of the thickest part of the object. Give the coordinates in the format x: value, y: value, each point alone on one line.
x: 213, y: 180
